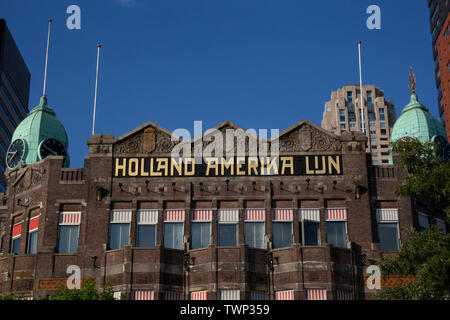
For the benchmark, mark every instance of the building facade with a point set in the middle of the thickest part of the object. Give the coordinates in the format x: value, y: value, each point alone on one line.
x: 14, y: 91
x: 343, y: 113
x: 443, y: 47
x: 439, y: 12
x: 302, y: 224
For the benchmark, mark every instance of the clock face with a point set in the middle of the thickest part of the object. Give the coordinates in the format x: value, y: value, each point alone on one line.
x: 15, y: 154
x: 51, y: 147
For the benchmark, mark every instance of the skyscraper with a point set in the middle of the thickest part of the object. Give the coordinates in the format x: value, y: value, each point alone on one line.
x: 343, y: 113
x: 14, y: 92
x: 439, y: 12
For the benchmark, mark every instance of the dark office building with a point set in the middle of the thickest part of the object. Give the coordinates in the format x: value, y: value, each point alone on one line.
x: 14, y: 91
x: 439, y: 10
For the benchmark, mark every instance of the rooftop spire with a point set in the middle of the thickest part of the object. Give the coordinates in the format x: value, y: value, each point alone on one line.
x: 412, y: 81
x: 46, y: 57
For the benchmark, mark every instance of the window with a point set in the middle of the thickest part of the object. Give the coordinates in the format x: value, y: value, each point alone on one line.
x: 342, y: 115
x: 173, y: 229
x: 228, y: 225
x: 388, y: 229
x: 381, y: 113
x: 282, y: 228
x: 350, y: 105
x: 351, y: 116
x: 352, y: 125
x: 146, y: 228
x: 375, y: 162
x: 69, y: 223
x: 328, y: 109
x: 119, y: 229
x: 32, y: 235
x: 374, y: 155
x: 369, y: 101
x: 336, y: 225
x: 371, y: 116
x: 374, y: 147
x: 342, y: 125
x: 423, y: 221
x: 441, y: 225
x: 16, y: 234
x: 383, y: 125
x: 254, y: 228
x: 373, y: 140
x: 258, y: 295
x: 201, y: 228
x: 373, y: 132
x: 372, y: 125
x: 383, y: 132
x: 309, y: 224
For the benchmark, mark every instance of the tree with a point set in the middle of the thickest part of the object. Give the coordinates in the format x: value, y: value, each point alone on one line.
x: 88, y: 291
x: 428, y: 174
x: 11, y: 296
x: 425, y: 255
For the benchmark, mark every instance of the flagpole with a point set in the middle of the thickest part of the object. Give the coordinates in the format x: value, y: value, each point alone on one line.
x: 361, y: 89
x: 46, y: 58
x: 96, y: 86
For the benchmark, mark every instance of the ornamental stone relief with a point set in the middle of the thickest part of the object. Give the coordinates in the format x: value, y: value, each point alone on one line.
x: 147, y: 141
x: 308, y: 138
x: 29, y: 179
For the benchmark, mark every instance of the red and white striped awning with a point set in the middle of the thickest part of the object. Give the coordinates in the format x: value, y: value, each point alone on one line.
x: 144, y: 295
x: 17, y: 230
x: 228, y: 215
x: 120, y: 216
x: 146, y: 216
x: 34, y: 224
x: 255, y: 215
x: 384, y: 215
x: 69, y: 218
x: 316, y: 294
x: 201, y: 215
x: 173, y: 295
x: 309, y: 214
x: 344, y: 295
x: 199, y: 295
x: 283, y: 215
x: 284, y: 295
x: 174, y: 215
x: 337, y: 214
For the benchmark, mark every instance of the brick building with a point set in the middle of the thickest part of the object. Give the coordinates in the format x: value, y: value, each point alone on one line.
x: 155, y: 228
x: 443, y: 57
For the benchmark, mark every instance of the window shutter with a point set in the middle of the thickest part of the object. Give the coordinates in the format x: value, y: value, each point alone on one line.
x: 280, y: 215
x: 34, y: 224
x: 316, y: 294
x: 144, y: 295
x: 309, y: 214
x: 336, y: 214
x: 147, y: 217
x: 69, y: 218
x: 284, y: 295
x: 17, y: 231
x: 120, y: 216
x: 171, y: 215
x: 386, y: 215
x: 201, y: 215
x: 256, y: 215
x: 228, y: 215
x: 199, y: 295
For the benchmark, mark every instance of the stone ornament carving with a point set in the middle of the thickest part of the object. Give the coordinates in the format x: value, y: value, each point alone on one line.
x: 31, y: 178
x: 148, y: 141
x: 99, y: 148
x: 308, y: 138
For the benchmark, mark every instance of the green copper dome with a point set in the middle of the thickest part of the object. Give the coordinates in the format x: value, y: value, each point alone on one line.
x: 416, y: 122
x: 40, y: 125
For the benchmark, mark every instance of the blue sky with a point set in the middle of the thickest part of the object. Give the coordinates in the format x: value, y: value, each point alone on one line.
x: 261, y: 64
